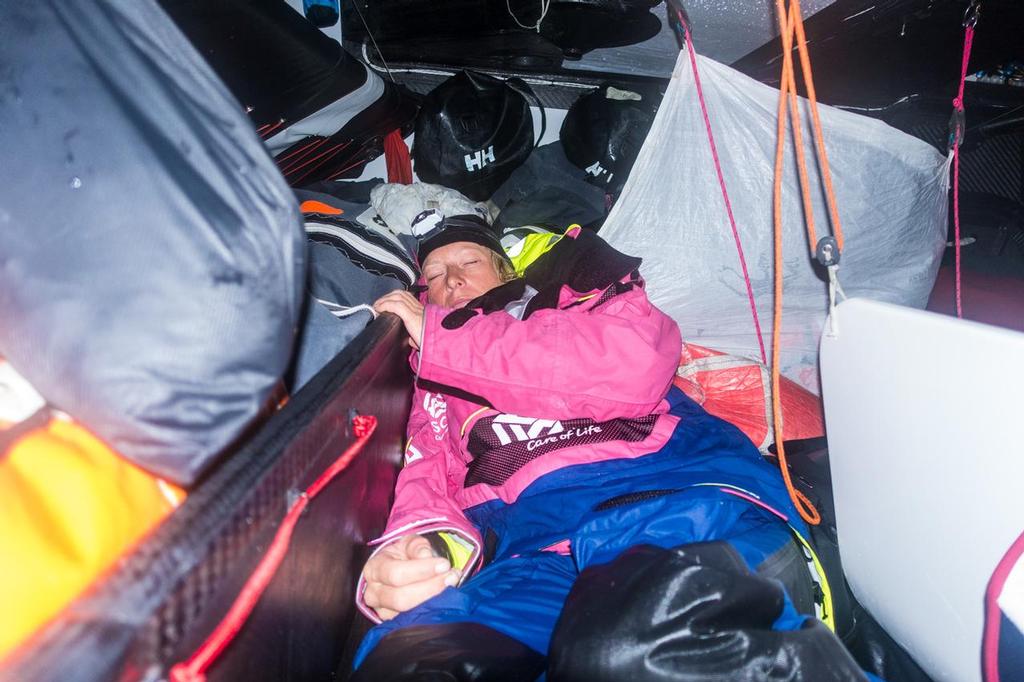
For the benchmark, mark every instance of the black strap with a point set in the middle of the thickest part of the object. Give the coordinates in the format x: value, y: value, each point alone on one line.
x: 439, y: 546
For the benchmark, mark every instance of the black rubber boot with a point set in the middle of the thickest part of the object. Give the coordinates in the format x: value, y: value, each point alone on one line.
x: 690, y: 613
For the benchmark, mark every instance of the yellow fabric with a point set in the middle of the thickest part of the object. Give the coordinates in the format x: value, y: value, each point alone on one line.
x: 532, y: 247
x: 69, y: 507
x: 457, y: 547
x: 827, y: 613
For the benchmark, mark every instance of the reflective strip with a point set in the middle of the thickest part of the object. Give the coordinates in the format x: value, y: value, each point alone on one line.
x: 531, y: 247
x: 826, y: 614
x: 412, y: 454
x: 465, y: 424
x: 18, y: 399
x: 459, y: 550
x: 174, y: 496
x: 401, y: 530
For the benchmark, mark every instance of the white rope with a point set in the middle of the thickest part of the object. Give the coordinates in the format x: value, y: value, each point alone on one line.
x: 544, y: 6
x: 345, y: 311
x: 834, y: 287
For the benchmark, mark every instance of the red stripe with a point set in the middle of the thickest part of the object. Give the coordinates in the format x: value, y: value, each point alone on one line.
x: 195, y: 668
x: 266, y: 129
x: 346, y: 168
x: 305, y: 162
x: 301, y: 150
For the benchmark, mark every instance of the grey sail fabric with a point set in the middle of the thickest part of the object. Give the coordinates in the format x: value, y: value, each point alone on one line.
x: 151, y: 255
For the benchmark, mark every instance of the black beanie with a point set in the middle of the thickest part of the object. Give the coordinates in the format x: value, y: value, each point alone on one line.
x: 450, y: 229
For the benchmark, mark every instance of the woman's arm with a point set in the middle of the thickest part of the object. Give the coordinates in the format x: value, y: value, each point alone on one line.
x: 616, y: 360
x: 402, y: 571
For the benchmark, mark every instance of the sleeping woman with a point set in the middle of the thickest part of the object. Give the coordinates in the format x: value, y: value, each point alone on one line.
x: 562, y: 510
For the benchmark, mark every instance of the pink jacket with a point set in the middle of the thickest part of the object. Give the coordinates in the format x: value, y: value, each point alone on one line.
x: 551, y: 381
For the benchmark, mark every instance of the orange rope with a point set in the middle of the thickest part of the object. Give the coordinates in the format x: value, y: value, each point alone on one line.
x: 794, y: 111
x: 819, y: 140
x: 790, y: 24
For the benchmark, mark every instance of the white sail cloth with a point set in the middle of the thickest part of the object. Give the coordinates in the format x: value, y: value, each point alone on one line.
x: 891, y: 193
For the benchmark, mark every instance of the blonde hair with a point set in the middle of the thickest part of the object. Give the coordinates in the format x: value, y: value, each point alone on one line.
x: 506, y: 273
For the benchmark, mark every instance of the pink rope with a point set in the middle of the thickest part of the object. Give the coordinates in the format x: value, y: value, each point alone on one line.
x: 725, y: 193
x: 958, y: 104
x: 993, y: 614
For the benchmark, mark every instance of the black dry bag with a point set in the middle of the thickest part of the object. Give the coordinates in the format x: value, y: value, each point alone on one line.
x: 472, y: 131
x: 604, y: 130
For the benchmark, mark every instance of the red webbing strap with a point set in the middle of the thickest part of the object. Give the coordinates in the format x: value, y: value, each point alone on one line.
x: 194, y: 669
x: 957, y: 136
x: 396, y: 156
x: 721, y: 182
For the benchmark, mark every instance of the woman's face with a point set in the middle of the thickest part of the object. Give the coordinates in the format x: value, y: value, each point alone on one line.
x: 459, y: 272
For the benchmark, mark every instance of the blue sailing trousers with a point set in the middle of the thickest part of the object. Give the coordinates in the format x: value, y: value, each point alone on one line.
x: 707, y: 483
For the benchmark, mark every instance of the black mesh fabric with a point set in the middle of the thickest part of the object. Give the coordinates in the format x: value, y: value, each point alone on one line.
x: 164, y: 599
x: 501, y: 448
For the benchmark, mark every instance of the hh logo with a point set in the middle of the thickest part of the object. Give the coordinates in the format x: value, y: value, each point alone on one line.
x: 523, y: 428
x: 475, y: 162
x: 596, y: 170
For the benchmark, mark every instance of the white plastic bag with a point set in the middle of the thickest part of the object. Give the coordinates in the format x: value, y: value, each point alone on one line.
x: 399, y: 204
x: 890, y: 190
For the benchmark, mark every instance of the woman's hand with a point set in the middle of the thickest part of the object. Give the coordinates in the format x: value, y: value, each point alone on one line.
x: 407, y: 307
x: 404, y: 574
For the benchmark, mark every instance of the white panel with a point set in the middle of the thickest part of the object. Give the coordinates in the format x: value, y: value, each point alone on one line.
x: 923, y: 414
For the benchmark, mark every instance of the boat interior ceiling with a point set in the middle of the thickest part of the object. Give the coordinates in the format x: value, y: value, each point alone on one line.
x: 866, y: 52
x: 897, y: 60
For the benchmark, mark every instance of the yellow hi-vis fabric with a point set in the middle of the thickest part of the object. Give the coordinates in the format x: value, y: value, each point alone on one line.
x: 531, y: 247
x: 69, y: 507
x: 458, y: 548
